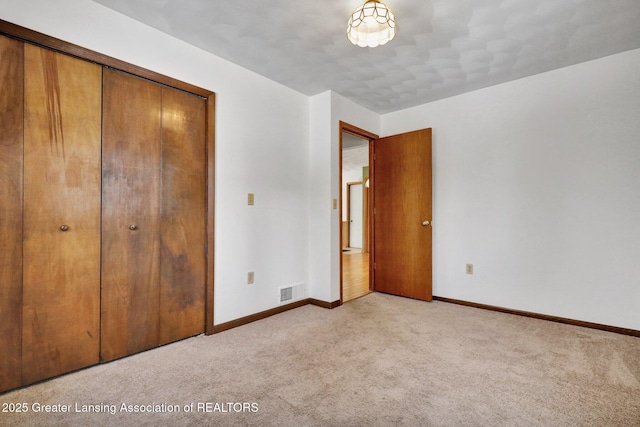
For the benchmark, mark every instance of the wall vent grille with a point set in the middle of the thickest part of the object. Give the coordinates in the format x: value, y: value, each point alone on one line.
x: 290, y: 293
x: 286, y: 294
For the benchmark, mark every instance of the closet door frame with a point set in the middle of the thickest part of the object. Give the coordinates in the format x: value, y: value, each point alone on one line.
x: 43, y: 40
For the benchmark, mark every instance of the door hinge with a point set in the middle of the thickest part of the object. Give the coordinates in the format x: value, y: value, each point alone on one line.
x: 374, y: 265
x: 374, y: 157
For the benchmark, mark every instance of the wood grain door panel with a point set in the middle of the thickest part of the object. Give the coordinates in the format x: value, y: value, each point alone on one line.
x: 106, y: 196
x: 130, y: 215
x: 402, y: 198
x: 11, y: 154
x: 61, y: 295
x: 182, y: 229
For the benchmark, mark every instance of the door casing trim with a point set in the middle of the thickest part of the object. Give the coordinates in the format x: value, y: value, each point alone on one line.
x: 361, y: 133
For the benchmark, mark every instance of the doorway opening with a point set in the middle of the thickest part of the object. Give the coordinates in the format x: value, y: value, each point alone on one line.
x: 397, y: 247
x: 355, y: 212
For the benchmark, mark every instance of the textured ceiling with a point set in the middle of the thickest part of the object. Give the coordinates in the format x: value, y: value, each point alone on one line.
x: 443, y: 47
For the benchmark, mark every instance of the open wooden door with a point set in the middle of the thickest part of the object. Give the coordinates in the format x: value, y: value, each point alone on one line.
x: 402, y: 215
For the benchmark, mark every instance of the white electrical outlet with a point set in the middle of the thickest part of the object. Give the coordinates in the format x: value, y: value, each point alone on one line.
x: 469, y: 268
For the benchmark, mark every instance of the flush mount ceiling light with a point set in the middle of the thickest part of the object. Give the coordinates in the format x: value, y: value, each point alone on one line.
x: 371, y: 24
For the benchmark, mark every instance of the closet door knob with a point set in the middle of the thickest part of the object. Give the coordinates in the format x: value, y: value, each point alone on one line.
x: 133, y: 227
x: 64, y: 228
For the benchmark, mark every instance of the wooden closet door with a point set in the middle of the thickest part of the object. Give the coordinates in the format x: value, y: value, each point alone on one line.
x: 61, y: 295
x: 182, y: 230
x: 11, y: 143
x: 130, y: 215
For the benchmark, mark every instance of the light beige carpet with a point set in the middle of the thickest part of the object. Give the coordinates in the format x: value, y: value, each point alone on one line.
x: 376, y: 361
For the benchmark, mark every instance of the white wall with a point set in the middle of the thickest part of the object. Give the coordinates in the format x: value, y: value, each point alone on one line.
x: 327, y: 110
x: 347, y: 177
x: 262, y: 146
x: 537, y: 183
x: 354, y: 160
x: 320, y: 202
x: 345, y: 110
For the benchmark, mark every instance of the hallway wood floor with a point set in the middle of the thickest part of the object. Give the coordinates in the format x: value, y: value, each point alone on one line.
x: 355, y: 275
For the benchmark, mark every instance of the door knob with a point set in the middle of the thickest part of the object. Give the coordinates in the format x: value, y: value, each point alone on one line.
x: 64, y: 227
x: 425, y: 223
x: 133, y: 227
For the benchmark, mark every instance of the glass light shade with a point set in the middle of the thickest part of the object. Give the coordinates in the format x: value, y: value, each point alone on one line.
x: 371, y: 24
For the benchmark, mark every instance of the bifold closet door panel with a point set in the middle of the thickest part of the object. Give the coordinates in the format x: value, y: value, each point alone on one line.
x: 130, y: 215
x: 11, y: 128
x: 182, y: 229
x: 61, y: 295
